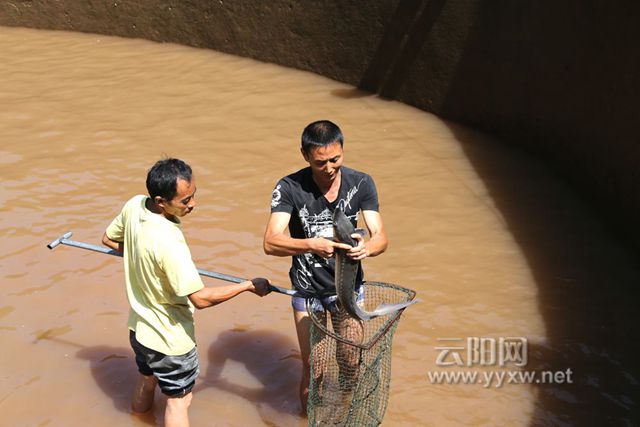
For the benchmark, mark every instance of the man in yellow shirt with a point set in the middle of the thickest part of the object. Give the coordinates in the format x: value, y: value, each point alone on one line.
x: 163, y: 287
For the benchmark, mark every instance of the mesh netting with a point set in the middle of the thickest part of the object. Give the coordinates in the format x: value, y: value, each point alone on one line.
x: 351, y: 361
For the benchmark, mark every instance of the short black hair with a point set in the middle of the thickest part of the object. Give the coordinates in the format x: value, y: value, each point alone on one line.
x: 320, y: 134
x: 162, y: 179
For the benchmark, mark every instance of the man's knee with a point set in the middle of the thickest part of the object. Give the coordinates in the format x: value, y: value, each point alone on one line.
x: 176, y: 413
x: 303, y: 324
x: 180, y: 402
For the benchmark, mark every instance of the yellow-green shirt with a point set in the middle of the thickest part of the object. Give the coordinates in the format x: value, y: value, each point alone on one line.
x: 159, y: 276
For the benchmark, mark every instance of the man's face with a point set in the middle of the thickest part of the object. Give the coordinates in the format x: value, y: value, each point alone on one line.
x: 183, y: 202
x: 325, y: 162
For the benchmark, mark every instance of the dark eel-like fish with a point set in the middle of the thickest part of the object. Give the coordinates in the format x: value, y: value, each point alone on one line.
x: 347, y: 270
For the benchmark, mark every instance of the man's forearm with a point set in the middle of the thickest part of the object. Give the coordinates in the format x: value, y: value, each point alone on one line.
x: 116, y: 246
x: 283, y: 245
x: 376, y: 245
x: 210, y: 296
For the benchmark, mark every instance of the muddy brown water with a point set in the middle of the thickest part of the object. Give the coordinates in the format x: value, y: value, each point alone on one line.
x: 496, y: 246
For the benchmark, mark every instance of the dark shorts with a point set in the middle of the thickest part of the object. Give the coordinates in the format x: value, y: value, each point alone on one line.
x: 176, y: 374
x: 322, y: 304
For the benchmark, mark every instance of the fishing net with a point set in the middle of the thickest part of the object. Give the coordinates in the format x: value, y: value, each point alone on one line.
x: 351, y: 361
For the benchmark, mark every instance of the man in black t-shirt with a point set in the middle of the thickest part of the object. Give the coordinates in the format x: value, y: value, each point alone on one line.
x: 304, y: 203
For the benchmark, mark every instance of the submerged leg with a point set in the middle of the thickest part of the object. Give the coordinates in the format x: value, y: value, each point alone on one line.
x: 143, y: 393
x: 303, y: 329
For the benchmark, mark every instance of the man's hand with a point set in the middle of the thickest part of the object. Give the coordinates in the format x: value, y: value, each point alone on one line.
x: 326, y: 248
x: 260, y: 286
x: 359, y: 251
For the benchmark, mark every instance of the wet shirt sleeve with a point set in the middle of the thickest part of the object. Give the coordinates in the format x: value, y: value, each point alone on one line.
x: 175, y: 260
x: 369, y: 197
x: 281, y: 197
x: 115, y: 230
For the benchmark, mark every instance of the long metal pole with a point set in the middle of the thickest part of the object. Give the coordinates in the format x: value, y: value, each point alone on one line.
x: 64, y: 240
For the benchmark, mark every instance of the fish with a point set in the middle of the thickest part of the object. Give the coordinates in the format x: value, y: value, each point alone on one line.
x: 347, y: 271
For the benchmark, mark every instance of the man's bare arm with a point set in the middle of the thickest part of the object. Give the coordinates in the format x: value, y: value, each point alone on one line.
x: 116, y: 246
x: 210, y: 296
x: 277, y: 242
x: 378, y: 241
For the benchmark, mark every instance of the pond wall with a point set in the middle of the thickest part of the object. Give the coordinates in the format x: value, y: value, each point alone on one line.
x: 558, y: 78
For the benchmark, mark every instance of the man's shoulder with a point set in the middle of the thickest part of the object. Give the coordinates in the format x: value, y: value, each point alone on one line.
x: 298, y: 179
x: 298, y: 176
x: 133, y: 204
x: 135, y: 201
x: 353, y: 175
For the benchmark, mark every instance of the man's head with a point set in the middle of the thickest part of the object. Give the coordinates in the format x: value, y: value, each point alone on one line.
x: 321, y: 134
x: 322, y: 143
x: 172, y: 186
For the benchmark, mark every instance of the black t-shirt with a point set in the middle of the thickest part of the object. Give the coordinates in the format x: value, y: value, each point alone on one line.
x: 311, y: 216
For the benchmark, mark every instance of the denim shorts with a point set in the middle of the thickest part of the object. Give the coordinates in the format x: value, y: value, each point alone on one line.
x: 176, y: 374
x: 323, y: 304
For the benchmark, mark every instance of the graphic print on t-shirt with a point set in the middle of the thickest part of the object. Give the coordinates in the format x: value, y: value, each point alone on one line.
x: 319, y: 225
x: 276, y: 196
x: 316, y: 225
